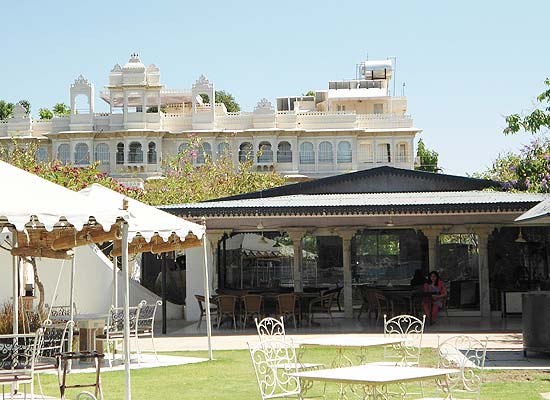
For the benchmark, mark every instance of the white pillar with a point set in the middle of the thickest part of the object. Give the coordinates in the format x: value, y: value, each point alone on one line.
x: 71, y: 302
x: 346, y: 263
x: 207, y: 298
x: 296, y: 237
x: 432, y: 235
x: 128, y: 386
x: 15, y: 282
x: 483, y: 261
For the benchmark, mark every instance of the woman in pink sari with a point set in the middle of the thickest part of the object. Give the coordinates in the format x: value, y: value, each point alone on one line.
x: 436, y: 288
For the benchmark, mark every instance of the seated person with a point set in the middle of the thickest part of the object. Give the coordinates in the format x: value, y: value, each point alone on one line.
x: 438, y: 292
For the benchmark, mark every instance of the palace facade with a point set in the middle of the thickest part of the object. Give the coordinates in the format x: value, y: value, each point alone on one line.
x: 352, y: 125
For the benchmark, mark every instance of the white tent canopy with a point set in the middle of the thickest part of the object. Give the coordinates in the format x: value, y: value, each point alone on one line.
x: 144, y: 220
x: 29, y: 198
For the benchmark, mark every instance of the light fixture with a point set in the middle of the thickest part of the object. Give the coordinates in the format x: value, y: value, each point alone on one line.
x: 389, y: 223
x: 520, y: 238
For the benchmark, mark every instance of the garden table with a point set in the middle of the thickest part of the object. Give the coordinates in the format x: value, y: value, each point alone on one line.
x: 88, y: 325
x: 371, y: 381
x: 341, y: 344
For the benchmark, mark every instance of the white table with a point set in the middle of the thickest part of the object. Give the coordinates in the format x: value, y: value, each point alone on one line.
x: 88, y: 325
x: 371, y: 381
x: 341, y: 344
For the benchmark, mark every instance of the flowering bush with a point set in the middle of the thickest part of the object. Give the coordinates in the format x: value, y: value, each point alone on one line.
x: 186, y: 180
x: 528, y: 170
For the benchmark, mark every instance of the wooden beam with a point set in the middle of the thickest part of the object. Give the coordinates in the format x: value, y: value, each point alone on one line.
x: 85, y: 237
x: 41, y: 252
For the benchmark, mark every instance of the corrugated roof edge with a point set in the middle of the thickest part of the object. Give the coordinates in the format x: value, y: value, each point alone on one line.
x: 299, y: 188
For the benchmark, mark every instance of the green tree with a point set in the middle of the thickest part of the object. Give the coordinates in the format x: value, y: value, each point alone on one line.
x: 224, y: 97
x: 45, y: 113
x: 309, y: 93
x: 535, y: 121
x: 6, y: 110
x: 26, y: 105
x: 61, y: 109
x: 427, y: 158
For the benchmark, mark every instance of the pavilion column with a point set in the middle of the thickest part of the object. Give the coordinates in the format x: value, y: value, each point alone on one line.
x: 214, y: 238
x: 432, y: 235
x: 483, y: 261
x: 346, y: 263
x: 296, y: 237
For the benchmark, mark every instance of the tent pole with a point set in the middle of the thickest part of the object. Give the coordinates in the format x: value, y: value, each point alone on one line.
x: 163, y: 263
x: 115, y: 281
x: 128, y: 392
x: 207, y: 298
x: 15, y: 264
x: 71, y: 305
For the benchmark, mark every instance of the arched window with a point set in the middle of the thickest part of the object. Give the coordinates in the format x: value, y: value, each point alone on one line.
x: 325, y: 153
x: 182, y: 148
x: 265, y: 153
x: 246, y: 151
x: 284, y: 152
x: 135, y: 155
x: 120, y: 153
x: 344, y: 152
x: 401, y: 151
x: 63, y: 153
x: 307, y: 154
x: 223, y: 150
x: 81, y: 154
x: 383, y: 153
x: 102, y: 153
x: 152, y: 153
x: 41, y: 154
x: 205, y: 151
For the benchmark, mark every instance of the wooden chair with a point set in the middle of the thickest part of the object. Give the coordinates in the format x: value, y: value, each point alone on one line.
x: 322, y: 304
x: 337, y: 291
x: 146, y: 324
x: 227, y: 305
x: 252, y: 307
x: 202, y: 307
x: 369, y: 303
x: 287, y: 306
x: 382, y: 304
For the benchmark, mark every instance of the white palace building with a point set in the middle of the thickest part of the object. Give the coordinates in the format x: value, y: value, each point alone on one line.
x: 352, y: 125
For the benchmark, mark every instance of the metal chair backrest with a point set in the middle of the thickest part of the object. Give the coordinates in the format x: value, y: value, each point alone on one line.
x: 467, y: 354
x: 54, y: 339
x: 32, y: 321
x: 201, y: 301
x: 17, y: 351
x: 115, y: 320
x: 252, y: 303
x: 146, y: 315
x: 273, y: 361
x: 226, y: 303
x: 59, y: 311
x: 269, y: 327
x: 409, y: 328
x: 287, y: 303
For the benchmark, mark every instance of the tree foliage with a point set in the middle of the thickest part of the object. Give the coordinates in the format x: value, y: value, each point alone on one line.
x: 45, y: 113
x: 6, y: 110
x: 184, y: 181
x: 528, y: 170
x: 61, y: 109
x: 26, y: 105
x: 223, y: 97
x: 309, y: 93
x: 427, y: 158
x: 536, y: 120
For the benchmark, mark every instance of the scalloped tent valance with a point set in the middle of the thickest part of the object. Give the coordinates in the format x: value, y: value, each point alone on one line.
x: 149, y: 229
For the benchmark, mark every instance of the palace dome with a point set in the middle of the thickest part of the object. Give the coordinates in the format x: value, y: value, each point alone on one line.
x: 134, y: 64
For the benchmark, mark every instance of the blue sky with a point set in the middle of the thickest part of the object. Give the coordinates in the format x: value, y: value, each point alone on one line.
x: 465, y: 64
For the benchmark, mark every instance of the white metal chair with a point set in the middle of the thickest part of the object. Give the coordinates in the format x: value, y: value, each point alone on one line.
x: 114, y: 330
x: 411, y: 330
x: 270, y: 328
x: 56, y: 311
x: 146, y: 323
x: 53, y: 339
x: 273, y: 361
x: 17, y: 360
x: 467, y: 354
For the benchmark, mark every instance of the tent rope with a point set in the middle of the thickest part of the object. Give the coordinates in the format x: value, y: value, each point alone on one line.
x: 54, y: 296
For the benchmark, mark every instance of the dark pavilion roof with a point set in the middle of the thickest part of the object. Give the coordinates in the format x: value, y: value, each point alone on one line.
x: 376, y: 180
x: 364, y: 203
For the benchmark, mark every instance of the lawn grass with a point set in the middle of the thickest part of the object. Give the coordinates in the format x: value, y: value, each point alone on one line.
x: 231, y: 377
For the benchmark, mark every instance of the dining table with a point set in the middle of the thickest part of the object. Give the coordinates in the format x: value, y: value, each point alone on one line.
x: 371, y: 382
x: 89, y: 324
x: 347, y: 348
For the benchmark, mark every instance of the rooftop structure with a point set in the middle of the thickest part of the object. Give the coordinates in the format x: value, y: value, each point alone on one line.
x: 353, y: 125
